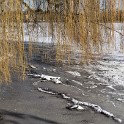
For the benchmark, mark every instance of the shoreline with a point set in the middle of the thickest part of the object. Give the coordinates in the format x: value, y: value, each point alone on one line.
x: 21, y: 102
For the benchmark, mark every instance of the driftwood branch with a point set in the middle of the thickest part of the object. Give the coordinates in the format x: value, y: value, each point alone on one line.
x: 79, y: 105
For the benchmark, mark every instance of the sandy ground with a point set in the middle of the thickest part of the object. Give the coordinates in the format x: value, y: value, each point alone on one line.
x: 22, y: 103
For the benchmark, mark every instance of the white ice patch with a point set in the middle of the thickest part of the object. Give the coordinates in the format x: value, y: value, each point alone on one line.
x: 32, y: 66
x: 44, y: 68
x: 46, y: 77
x: 77, y: 107
x: 110, y: 72
x: 55, y: 80
x: 93, y: 87
x: 44, y: 91
x: 111, y: 87
x: 120, y: 100
x: 49, y: 69
x: 54, y: 70
x: 74, y: 73
x: 34, y: 75
x: 77, y: 82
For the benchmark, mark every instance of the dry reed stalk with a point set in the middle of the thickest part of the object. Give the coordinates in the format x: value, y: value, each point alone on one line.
x: 11, y: 40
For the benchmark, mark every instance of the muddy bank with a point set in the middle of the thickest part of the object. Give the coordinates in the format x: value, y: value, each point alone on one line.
x: 22, y: 102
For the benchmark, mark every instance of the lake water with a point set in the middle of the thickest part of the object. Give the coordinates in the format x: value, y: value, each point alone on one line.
x: 110, y: 69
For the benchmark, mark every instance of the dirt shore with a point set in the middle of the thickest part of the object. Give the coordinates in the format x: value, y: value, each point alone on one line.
x: 22, y: 103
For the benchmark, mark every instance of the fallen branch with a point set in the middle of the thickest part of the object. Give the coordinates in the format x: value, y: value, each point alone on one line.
x: 78, y: 105
x: 97, y: 109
